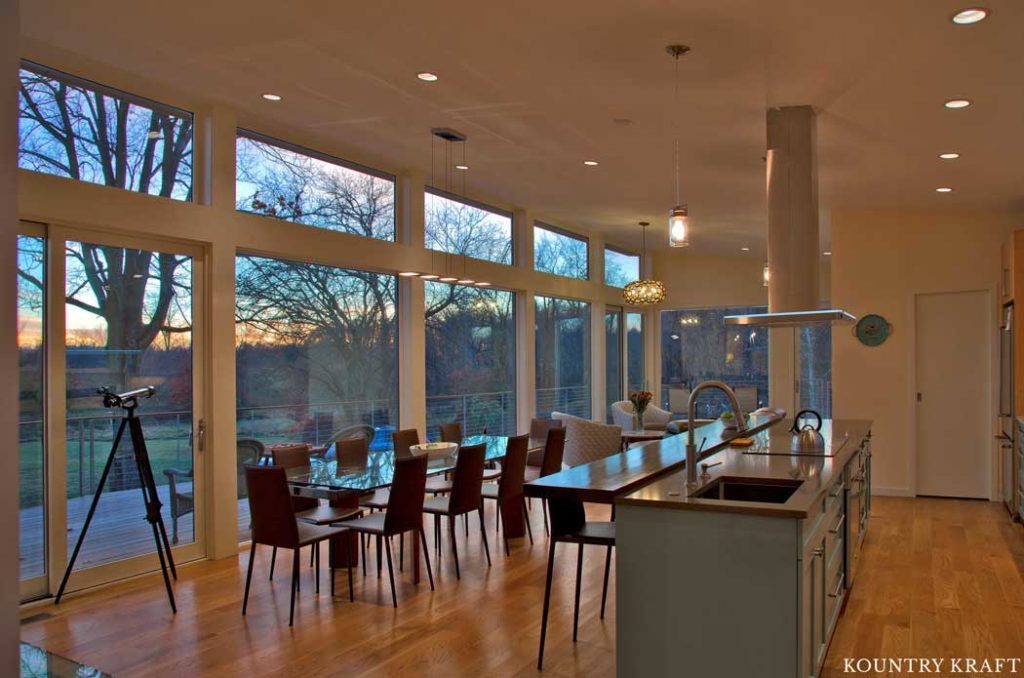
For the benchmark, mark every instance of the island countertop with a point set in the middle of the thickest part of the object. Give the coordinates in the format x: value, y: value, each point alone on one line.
x: 603, y: 480
x: 842, y: 439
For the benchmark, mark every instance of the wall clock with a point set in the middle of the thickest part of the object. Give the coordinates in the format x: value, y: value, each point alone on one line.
x: 872, y: 330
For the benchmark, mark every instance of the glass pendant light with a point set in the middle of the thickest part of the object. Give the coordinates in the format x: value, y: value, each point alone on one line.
x: 644, y: 292
x: 678, y: 220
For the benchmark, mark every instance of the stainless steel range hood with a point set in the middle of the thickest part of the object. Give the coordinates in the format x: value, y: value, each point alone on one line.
x: 793, y: 318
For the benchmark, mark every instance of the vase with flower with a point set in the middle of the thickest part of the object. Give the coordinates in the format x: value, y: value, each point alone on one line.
x: 640, y: 401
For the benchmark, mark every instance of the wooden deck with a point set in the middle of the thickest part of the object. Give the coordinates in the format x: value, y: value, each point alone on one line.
x: 119, y: 530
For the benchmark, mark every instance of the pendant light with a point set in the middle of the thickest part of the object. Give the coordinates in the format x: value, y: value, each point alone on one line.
x: 644, y: 292
x: 678, y: 220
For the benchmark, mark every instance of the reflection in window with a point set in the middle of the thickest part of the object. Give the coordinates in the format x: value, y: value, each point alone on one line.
x: 470, y: 359
x: 558, y: 252
x: 77, y: 129
x: 816, y: 368
x: 31, y: 468
x: 563, y: 356
x: 459, y: 227
x: 697, y: 345
x: 620, y: 268
x: 308, y: 188
x: 316, y: 350
x: 635, y: 351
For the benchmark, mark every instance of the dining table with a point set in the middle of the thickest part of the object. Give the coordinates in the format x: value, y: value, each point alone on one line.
x: 342, y: 485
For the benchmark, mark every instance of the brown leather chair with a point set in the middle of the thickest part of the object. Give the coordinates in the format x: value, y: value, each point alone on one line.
x: 452, y: 433
x: 463, y: 499
x: 352, y: 452
x: 404, y: 513
x: 401, y: 441
x: 539, y: 431
x: 274, y: 524
x: 510, y: 487
x: 554, y: 448
x: 570, y: 525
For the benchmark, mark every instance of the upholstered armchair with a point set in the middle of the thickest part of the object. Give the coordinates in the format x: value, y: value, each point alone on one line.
x: 655, y: 418
x: 587, y: 441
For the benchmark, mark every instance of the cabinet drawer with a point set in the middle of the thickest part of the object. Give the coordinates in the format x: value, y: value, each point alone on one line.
x: 825, y: 512
x: 835, y: 590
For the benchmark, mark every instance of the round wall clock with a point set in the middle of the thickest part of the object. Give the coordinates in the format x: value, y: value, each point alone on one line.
x: 872, y: 330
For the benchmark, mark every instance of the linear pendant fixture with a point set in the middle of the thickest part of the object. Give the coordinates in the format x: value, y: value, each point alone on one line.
x: 644, y: 292
x: 678, y: 220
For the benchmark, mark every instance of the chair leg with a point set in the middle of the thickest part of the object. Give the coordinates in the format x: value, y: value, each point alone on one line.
x: 526, y: 518
x: 455, y: 546
x: 362, y: 546
x: 544, y: 510
x: 483, y: 536
x: 607, y: 568
x: 497, y: 517
x: 273, y: 559
x: 391, y: 572
x: 401, y: 552
x: 248, y: 577
x: 380, y: 560
x: 547, y: 605
x: 437, y: 537
x: 465, y: 523
x: 174, y: 525
x: 316, y: 572
x: 576, y: 606
x: 426, y: 556
x: 312, y: 554
x: 295, y: 587
x: 348, y: 558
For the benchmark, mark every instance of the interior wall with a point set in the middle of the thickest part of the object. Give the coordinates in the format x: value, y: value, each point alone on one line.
x: 696, y: 280
x: 8, y: 338
x: 881, y: 259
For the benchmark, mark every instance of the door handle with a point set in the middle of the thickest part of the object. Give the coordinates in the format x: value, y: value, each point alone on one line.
x: 202, y: 435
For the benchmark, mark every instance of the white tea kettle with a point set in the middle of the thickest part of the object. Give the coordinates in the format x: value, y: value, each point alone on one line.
x: 807, y: 439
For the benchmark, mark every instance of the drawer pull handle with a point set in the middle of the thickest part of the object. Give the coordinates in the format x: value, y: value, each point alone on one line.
x: 818, y: 552
x: 838, y: 525
x: 839, y: 589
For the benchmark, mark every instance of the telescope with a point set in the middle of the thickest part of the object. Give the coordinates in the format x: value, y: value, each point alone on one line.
x: 128, y: 399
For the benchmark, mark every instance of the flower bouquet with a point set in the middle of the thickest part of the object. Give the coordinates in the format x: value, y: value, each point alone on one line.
x: 640, y: 400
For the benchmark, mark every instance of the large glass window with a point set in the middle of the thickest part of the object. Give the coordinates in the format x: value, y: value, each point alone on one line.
x: 316, y: 351
x: 31, y: 458
x: 80, y: 130
x: 635, y: 364
x: 457, y: 226
x: 558, y: 252
x: 470, y: 359
x: 816, y: 368
x: 620, y: 268
x: 563, y: 356
x: 300, y: 185
x: 697, y: 345
x: 612, y: 359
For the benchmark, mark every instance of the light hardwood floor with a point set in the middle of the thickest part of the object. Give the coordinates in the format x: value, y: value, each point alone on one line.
x: 938, y: 578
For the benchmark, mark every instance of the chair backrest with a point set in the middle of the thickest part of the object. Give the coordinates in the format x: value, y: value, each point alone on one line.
x: 290, y: 456
x: 352, y: 452
x: 403, y: 440
x: 270, y: 507
x: 587, y: 441
x: 247, y: 451
x: 622, y: 414
x: 513, y: 467
x: 354, y: 431
x: 467, y: 479
x: 554, y: 450
x: 678, y: 400
x: 451, y: 432
x: 746, y: 396
x: 405, y: 501
x: 539, y: 427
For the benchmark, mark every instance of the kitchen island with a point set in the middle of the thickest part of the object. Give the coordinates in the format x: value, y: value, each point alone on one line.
x: 745, y: 572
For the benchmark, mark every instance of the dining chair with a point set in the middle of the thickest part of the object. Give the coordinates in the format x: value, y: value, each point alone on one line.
x: 569, y: 525
x: 404, y: 513
x: 510, y: 488
x: 463, y: 499
x: 554, y: 450
x: 352, y: 452
x: 452, y: 433
x: 539, y: 431
x: 274, y: 524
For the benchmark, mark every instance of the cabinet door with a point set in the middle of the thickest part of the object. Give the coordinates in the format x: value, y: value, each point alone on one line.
x: 807, y: 644
x: 819, y: 601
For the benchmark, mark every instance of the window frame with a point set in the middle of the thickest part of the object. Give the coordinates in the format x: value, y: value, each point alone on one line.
x: 544, y: 226
x: 624, y: 252
x: 470, y: 202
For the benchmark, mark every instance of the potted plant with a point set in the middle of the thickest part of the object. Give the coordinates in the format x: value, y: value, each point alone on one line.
x: 728, y: 419
x: 640, y: 401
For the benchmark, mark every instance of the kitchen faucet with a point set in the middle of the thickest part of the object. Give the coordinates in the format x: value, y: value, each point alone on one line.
x: 691, y: 446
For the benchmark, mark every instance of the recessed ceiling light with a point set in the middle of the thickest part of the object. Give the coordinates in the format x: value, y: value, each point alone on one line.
x: 827, y: 253
x: 408, y: 274
x: 590, y: 163
x: 447, y: 278
x: 745, y: 249
x: 272, y: 97
x: 427, y: 76
x: 949, y: 156
x: 971, y: 15
x: 429, y: 276
x: 958, y: 103
x: 462, y: 167
x: 466, y: 281
x: 483, y: 284
x: 944, y: 189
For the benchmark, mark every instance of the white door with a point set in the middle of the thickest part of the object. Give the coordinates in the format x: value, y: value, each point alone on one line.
x: 954, y: 393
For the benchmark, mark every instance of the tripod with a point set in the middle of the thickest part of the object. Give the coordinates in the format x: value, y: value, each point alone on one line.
x: 149, y: 497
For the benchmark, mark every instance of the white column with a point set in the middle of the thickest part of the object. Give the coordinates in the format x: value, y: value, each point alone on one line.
x: 412, y: 350
x: 526, y: 338
x: 9, y: 339
x: 598, y: 377
x: 792, y: 184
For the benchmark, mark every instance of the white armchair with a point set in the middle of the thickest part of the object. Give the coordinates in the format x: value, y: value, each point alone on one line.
x: 587, y: 441
x: 655, y: 418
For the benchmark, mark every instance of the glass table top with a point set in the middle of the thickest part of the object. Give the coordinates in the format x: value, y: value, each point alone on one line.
x: 380, y: 468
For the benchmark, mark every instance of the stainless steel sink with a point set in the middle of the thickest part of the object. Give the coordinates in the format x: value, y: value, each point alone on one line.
x: 764, y: 490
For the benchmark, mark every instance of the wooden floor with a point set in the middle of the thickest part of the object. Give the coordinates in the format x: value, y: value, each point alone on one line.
x: 938, y: 578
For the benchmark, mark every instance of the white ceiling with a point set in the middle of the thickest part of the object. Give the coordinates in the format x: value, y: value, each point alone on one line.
x: 536, y: 87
